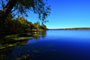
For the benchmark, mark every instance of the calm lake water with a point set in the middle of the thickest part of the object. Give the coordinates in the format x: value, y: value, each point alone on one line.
x: 51, y: 45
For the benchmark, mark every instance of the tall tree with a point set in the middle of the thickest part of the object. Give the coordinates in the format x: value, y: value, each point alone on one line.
x: 22, y: 6
x: 9, y: 7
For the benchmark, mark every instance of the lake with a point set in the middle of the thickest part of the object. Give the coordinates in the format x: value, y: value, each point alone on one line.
x: 50, y: 45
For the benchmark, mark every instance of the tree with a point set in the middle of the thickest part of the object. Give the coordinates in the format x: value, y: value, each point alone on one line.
x: 37, y: 25
x: 43, y: 27
x: 11, y: 7
x: 22, y: 6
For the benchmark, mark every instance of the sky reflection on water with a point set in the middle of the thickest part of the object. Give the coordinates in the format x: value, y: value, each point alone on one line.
x: 64, y: 45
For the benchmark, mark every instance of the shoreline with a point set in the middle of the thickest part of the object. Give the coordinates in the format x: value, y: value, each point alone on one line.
x: 71, y: 29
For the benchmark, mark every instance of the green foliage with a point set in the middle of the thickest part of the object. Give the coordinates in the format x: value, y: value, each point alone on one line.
x: 37, y: 25
x: 9, y: 8
x: 43, y: 27
x: 39, y: 7
x: 20, y: 25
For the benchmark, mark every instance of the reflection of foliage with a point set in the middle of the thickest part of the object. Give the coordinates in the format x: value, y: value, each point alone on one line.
x: 6, y: 49
x: 43, y: 34
x: 11, y: 42
x: 5, y: 52
x: 36, y: 35
x: 20, y: 39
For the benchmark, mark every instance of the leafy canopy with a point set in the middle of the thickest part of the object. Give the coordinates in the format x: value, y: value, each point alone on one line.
x: 39, y: 7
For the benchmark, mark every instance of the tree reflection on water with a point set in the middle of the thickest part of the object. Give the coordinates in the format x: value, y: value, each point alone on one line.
x: 14, y: 47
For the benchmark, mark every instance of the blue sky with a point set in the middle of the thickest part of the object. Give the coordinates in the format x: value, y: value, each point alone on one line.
x: 66, y: 14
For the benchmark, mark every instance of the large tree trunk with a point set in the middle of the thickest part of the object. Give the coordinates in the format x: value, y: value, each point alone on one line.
x: 5, y: 13
x: 8, y: 9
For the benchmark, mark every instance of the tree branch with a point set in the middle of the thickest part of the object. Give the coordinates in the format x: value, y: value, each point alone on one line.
x: 7, y: 9
x: 2, y: 4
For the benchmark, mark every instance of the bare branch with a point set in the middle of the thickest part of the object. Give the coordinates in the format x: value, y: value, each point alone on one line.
x: 3, y: 6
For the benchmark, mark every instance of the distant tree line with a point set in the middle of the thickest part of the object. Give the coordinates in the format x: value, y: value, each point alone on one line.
x: 88, y: 28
